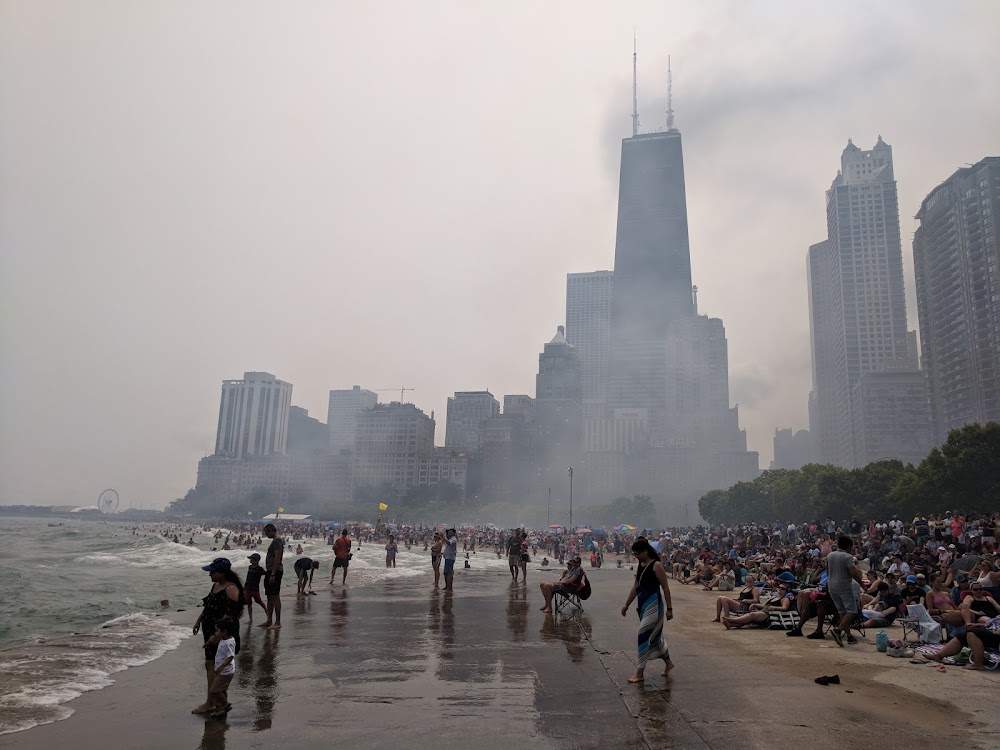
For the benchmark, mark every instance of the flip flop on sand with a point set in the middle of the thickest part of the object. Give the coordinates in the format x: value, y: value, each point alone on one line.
x: 942, y: 668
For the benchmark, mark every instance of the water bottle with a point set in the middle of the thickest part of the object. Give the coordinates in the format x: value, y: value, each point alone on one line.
x: 881, y: 641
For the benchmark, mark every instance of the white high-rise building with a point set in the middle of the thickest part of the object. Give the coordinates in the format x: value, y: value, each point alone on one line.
x: 342, y: 416
x: 588, y: 328
x: 253, y: 416
x: 858, y: 309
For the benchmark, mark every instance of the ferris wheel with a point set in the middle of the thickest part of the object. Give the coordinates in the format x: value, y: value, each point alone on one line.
x: 108, y: 501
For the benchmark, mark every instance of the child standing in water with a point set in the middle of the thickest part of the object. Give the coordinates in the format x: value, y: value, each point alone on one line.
x: 224, y: 666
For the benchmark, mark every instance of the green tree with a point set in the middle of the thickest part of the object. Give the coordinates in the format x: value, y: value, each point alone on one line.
x: 962, y: 474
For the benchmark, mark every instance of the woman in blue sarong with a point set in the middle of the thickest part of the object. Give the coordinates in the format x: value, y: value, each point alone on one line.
x: 650, y: 578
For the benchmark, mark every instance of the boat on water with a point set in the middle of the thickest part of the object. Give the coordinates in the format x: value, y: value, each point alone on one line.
x: 55, y: 524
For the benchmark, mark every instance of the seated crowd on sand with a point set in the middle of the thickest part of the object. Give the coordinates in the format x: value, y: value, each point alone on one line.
x: 941, y: 569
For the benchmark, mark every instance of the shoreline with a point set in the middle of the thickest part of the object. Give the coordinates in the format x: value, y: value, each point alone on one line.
x: 486, y: 659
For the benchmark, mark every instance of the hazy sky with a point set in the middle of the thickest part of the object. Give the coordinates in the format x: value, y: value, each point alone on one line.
x: 392, y: 193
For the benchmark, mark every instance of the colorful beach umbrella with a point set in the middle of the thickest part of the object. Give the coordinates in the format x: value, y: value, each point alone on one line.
x: 625, y: 527
x: 582, y: 530
x: 555, y: 526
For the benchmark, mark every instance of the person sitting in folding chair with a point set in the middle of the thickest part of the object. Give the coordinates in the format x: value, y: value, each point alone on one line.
x: 782, y: 601
x: 570, y: 583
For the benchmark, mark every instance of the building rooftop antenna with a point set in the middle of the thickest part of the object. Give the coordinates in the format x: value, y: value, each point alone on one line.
x: 635, y: 97
x: 670, y: 97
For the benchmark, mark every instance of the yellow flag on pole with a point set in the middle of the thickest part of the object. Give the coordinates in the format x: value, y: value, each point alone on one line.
x: 383, y: 506
x: 280, y: 509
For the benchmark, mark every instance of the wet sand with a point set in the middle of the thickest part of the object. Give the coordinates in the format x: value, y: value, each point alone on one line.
x: 398, y: 663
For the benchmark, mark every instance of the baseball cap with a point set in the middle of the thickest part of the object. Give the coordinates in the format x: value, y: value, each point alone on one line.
x: 920, y: 575
x: 911, y: 579
x: 219, y: 563
x: 254, y: 556
x: 952, y: 546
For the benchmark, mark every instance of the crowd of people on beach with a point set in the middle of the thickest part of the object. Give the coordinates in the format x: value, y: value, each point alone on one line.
x: 846, y: 575
x: 937, y: 570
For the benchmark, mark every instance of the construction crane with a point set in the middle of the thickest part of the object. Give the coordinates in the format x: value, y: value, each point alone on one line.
x: 402, y: 391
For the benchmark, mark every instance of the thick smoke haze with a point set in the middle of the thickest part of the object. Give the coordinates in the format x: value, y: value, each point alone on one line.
x: 392, y: 193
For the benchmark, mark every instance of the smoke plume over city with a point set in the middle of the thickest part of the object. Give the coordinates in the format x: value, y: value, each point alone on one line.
x: 393, y: 194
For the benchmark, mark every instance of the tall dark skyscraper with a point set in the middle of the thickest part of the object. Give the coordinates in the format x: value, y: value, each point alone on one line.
x: 667, y: 429
x: 652, y: 276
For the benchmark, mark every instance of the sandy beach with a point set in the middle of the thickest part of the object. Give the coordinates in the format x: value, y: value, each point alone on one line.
x: 394, y: 663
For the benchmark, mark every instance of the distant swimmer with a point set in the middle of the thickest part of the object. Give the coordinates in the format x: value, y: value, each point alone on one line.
x: 304, y: 569
x: 298, y: 549
x: 341, y: 556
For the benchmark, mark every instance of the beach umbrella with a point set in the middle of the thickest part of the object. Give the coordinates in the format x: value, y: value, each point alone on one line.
x: 555, y: 526
x: 582, y: 530
x: 625, y: 527
x: 966, y: 563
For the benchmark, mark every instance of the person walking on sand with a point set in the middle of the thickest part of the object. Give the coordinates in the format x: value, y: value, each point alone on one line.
x: 514, y: 554
x: 342, y: 555
x: 650, y: 578
x: 391, y: 548
x: 272, y: 579
x: 436, y: 558
x: 251, y: 588
x: 450, y: 553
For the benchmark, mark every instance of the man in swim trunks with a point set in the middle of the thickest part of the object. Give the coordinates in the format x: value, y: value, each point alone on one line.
x: 272, y: 579
x: 342, y: 555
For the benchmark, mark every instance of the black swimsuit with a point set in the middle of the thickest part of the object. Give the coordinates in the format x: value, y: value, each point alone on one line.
x: 217, y: 606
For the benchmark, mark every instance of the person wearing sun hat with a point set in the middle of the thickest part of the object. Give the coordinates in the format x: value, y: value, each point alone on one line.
x: 224, y: 600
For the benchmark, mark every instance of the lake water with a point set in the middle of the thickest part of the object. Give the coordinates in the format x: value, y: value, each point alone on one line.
x: 81, y: 601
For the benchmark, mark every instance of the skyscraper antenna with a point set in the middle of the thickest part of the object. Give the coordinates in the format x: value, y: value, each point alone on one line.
x: 635, y: 96
x: 670, y: 97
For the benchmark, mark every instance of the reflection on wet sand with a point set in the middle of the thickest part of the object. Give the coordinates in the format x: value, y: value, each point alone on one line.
x: 569, y: 630
x: 339, y: 610
x: 517, y: 611
x: 214, y: 737
x: 265, y: 682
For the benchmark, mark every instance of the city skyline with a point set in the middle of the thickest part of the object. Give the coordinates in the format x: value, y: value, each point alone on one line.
x: 141, y: 285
